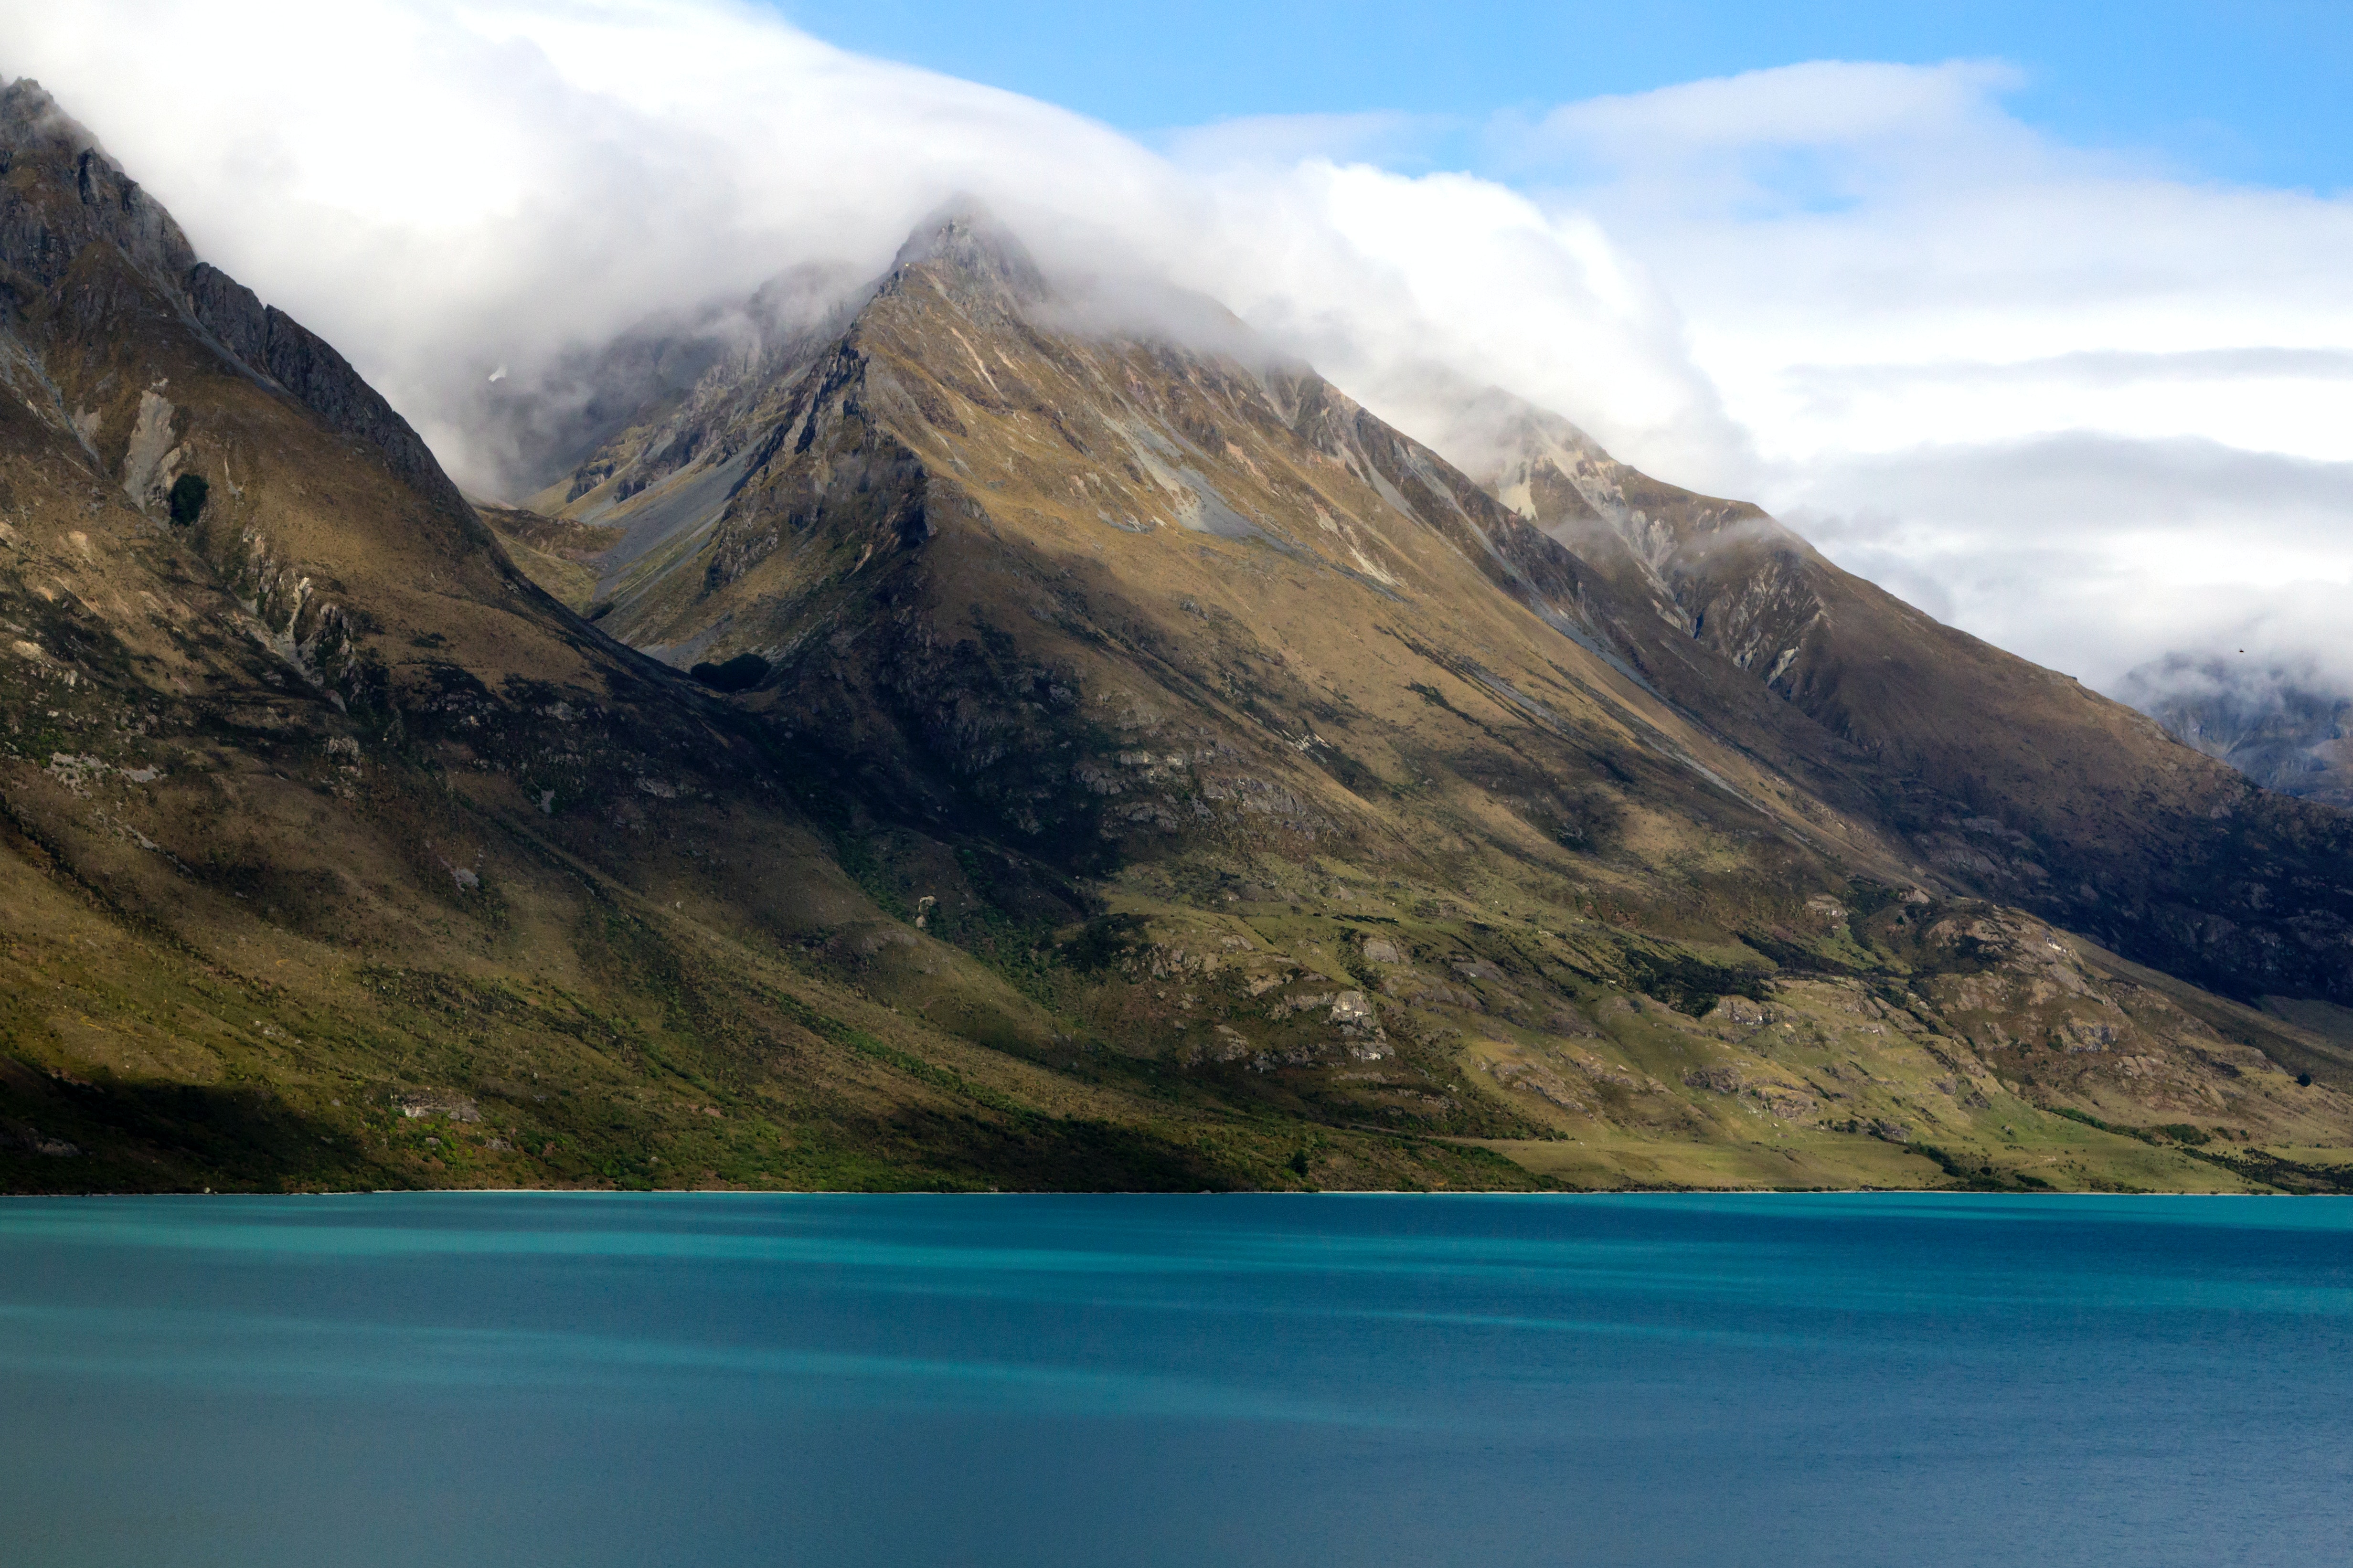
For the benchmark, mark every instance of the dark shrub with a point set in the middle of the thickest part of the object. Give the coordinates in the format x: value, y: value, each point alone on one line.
x: 187, y: 499
x: 742, y: 673
x: 1104, y: 941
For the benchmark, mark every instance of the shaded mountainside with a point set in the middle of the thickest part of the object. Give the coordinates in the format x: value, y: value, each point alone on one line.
x: 993, y: 753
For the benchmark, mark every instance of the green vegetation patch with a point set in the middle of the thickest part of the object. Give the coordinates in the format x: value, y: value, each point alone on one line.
x: 1689, y: 983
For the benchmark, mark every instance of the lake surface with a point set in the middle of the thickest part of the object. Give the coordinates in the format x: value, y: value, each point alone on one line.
x: 731, y: 1381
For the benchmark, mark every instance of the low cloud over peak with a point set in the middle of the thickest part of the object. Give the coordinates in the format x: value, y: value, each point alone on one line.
x: 445, y: 192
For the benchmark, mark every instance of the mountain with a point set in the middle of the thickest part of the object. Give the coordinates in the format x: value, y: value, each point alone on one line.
x: 996, y: 747
x: 2282, y: 727
x: 2010, y: 782
x: 338, y: 854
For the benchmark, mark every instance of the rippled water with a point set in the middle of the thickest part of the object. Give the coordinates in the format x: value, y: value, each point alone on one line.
x: 721, y: 1380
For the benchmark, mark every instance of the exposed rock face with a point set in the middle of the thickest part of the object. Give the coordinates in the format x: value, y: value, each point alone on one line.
x: 41, y: 239
x: 280, y: 348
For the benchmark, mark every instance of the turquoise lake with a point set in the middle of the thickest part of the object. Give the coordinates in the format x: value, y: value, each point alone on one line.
x: 725, y: 1381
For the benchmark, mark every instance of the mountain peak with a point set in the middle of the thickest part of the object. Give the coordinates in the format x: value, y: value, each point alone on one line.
x: 111, y: 206
x: 976, y: 258
x: 29, y: 116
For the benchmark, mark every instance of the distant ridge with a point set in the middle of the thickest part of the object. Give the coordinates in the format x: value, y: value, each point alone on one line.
x: 2285, y: 728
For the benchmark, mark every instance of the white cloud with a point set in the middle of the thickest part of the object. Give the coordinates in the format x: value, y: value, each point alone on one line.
x: 441, y: 189
x: 1830, y: 104
x: 1933, y: 232
x: 1375, y: 136
x: 2098, y: 552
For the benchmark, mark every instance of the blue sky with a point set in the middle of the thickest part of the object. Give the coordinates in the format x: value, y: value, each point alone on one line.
x: 2253, y: 92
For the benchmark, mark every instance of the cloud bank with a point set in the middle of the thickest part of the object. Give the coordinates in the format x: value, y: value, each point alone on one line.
x: 2081, y: 404
x: 442, y: 190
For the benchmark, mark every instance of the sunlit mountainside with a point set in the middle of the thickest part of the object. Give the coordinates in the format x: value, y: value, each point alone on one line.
x: 936, y: 733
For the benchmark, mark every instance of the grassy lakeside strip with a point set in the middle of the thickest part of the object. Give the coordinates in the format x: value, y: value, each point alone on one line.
x: 1983, y: 1178
x: 2287, y: 1176
x: 2254, y: 1164
x: 160, y: 1070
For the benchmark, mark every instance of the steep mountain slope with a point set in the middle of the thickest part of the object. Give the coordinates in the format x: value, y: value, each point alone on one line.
x: 1313, y: 709
x: 1162, y: 527
x: 2010, y: 782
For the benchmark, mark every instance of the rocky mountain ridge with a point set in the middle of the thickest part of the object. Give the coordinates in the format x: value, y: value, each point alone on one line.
x: 1970, y: 765
x: 2007, y: 781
